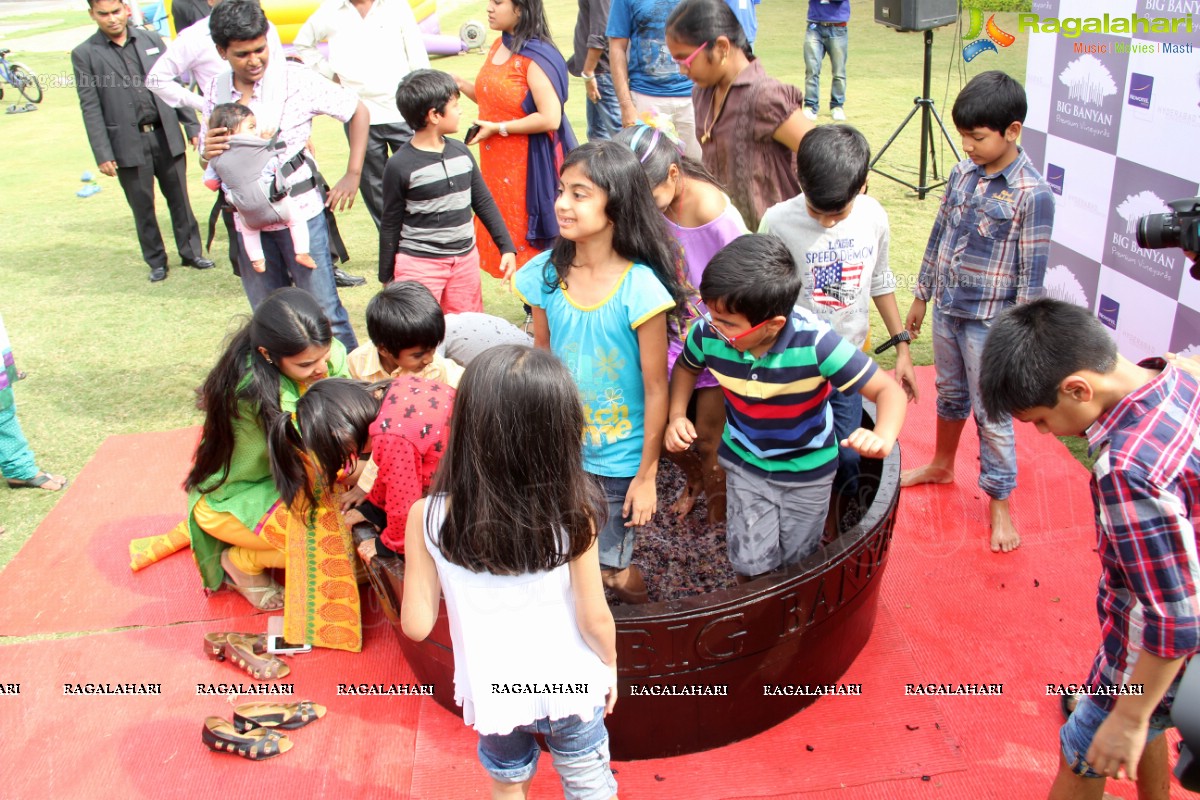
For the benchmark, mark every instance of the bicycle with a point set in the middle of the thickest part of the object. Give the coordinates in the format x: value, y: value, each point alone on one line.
x: 19, y: 77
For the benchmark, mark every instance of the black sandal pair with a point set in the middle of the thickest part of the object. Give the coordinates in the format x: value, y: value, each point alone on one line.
x: 254, y: 732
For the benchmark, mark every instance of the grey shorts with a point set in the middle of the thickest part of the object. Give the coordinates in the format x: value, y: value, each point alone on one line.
x: 772, y: 524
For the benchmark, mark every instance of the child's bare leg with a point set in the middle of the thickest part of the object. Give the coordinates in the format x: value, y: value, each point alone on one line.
x: 298, y: 228
x: 1069, y: 786
x: 1154, y: 771
x: 941, y: 468
x: 252, y: 243
x: 1005, y: 538
x: 710, y: 423
x: 507, y: 791
x: 628, y: 584
x: 689, y: 463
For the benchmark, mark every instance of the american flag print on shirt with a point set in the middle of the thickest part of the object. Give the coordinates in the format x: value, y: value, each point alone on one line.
x: 836, y: 285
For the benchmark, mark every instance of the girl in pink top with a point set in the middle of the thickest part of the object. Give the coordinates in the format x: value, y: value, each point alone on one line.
x: 703, y: 220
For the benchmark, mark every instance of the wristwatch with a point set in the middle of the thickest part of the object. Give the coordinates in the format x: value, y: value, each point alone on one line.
x: 504, y: 129
x: 902, y: 336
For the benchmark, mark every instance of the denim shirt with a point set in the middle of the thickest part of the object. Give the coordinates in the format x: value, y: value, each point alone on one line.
x: 990, y: 241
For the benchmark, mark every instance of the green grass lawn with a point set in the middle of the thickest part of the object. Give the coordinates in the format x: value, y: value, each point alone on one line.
x: 109, y: 353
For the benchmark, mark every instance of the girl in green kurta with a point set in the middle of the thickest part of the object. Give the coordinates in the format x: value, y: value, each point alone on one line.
x: 237, y: 523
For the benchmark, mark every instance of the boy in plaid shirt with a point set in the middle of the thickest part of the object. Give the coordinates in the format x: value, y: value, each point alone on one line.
x: 987, y: 251
x: 1053, y: 364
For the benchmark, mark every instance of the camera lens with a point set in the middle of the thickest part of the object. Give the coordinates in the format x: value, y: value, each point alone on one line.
x: 1158, y: 231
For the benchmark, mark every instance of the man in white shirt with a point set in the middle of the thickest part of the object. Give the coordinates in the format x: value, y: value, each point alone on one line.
x: 372, y: 45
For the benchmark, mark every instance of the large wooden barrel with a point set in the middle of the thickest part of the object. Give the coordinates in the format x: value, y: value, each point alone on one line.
x: 694, y: 673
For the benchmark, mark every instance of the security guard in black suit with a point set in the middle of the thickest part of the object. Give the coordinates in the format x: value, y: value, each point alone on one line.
x: 134, y: 135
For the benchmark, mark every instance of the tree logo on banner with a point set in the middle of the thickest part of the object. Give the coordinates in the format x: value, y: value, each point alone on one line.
x: 1061, y: 284
x: 1136, y: 206
x: 995, y: 36
x: 1088, y: 80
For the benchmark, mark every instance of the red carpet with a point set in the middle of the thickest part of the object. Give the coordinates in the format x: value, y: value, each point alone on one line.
x: 952, y: 612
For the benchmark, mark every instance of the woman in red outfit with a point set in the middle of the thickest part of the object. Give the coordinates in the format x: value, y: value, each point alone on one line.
x: 523, y: 130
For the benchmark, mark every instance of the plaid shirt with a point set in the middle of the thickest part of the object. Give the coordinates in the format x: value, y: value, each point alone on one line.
x: 1146, y: 490
x: 990, y: 241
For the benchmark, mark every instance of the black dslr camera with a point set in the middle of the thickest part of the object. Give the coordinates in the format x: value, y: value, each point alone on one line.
x: 1180, y: 228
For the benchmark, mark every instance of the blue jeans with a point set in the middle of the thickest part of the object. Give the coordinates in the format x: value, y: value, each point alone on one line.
x: 616, y: 541
x: 282, y: 270
x: 957, y: 352
x: 579, y: 750
x: 604, y: 117
x: 1077, y: 733
x: 819, y: 40
x: 847, y: 418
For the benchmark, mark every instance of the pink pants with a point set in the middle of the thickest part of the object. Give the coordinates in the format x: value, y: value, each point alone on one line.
x: 453, y: 280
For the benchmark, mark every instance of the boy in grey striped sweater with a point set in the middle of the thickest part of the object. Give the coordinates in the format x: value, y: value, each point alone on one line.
x: 432, y: 189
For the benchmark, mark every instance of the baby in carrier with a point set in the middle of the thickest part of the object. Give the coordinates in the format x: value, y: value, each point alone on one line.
x: 253, y: 174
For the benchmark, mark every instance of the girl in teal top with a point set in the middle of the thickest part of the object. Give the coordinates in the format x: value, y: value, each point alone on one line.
x: 601, y: 300
x: 267, y: 365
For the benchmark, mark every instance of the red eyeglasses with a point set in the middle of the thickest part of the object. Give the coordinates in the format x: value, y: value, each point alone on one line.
x: 686, y: 63
x: 729, y: 340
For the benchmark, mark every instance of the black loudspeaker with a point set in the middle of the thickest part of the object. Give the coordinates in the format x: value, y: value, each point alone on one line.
x: 916, y: 15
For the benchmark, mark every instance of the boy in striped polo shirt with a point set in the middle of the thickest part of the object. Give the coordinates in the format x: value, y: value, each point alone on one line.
x: 778, y: 367
x: 431, y: 185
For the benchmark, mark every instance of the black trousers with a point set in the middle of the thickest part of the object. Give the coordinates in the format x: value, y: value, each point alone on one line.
x: 384, y: 140
x: 138, y: 184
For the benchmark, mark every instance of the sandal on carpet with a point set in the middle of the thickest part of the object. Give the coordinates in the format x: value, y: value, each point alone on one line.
x: 257, y: 744
x: 287, y: 716
x: 264, y: 598
x: 214, y: 643
x: 239, y: 649
x: 39, y: 481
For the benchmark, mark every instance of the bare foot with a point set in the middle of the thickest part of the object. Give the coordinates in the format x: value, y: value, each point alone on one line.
x: 627, y: 583
x: 686, y: 501
x: 930, y: 473
x: 1004, y: 536
x: 260, y: 265
x: 306, y: 260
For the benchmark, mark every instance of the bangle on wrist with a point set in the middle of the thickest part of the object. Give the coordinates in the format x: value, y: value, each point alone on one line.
x: 588, y: 77
x: 504, y: 129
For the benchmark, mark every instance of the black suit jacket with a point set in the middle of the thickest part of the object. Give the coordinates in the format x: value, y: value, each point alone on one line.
x: 109, y: 115
x: 186, y: 12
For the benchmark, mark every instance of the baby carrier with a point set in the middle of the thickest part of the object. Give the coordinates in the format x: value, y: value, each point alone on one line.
x: 240, y: 169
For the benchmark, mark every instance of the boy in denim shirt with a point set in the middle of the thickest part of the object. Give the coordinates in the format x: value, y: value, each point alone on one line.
x: 987, y: 251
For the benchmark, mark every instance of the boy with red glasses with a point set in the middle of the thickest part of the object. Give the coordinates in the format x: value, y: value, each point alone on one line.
x: 778, y: 367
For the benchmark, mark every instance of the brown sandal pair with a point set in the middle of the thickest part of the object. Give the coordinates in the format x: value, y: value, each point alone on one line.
x: 253, y: 734
x: 248, y: 651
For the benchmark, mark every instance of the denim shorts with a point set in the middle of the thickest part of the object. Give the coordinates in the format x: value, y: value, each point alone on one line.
x: 1077, y: 733
x: 579, y: 750
x: 616, y: 541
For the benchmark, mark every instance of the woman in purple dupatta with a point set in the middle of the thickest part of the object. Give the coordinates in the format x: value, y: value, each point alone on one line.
x: 523, y: 130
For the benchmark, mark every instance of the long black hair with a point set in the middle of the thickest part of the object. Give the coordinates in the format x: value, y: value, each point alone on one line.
x: 519, y: 499
x: 640, y: 233
x: 285, y: 324
x: 531, y: 24
x: 333, y: 420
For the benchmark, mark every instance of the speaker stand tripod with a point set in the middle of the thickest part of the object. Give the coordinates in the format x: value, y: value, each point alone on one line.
x: 928, y: 151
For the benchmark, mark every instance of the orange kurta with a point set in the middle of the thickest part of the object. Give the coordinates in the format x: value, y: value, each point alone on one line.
x: 500, y: 89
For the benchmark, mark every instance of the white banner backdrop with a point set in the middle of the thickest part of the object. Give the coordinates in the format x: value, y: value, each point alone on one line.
x: 1114, y: 125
